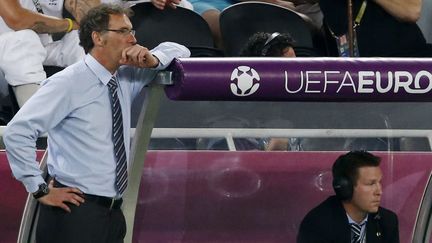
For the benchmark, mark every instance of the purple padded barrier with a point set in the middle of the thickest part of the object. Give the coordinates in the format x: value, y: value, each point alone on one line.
x: 13, y: 200
x: 256, y: 197
x: 302, y: 79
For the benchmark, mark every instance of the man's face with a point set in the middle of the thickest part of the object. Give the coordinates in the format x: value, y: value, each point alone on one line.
x: 288, y: 52
x: 120, y: 38
x: 367, y: 192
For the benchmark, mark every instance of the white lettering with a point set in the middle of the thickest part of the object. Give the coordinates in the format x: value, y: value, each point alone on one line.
x: 363, y: 81
x: 327, y: 81
x: 379, y: 87
x: 403, y: 79
x: 347, y: 76
x: 286, y: 84
x: 309, y: 81
x: 367, y: 82
x: 417, y: 82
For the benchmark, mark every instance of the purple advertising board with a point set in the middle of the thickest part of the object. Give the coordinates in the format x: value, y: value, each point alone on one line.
x: 302, y: 79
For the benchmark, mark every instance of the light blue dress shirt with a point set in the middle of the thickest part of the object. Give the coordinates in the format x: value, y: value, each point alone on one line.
x: 73, y: 107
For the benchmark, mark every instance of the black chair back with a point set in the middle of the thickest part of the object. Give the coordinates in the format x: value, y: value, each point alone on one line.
x: 180, y: 25
x: 240, y: 21
x: 13, y: 101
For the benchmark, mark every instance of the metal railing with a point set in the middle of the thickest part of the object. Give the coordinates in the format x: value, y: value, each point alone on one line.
x: 230, y: 133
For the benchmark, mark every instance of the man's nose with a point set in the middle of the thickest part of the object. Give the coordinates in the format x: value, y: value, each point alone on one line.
x: 132, y: 39
x: 378, y: 189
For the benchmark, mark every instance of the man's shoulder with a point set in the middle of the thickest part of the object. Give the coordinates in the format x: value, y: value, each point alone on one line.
x: 385, y: 213
x: 326, y: 208
x: 72, y: 75
x: 327, y: 222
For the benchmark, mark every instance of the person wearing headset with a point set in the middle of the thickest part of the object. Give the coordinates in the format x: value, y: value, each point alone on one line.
x: 354, y: 214
x: 263, y: 44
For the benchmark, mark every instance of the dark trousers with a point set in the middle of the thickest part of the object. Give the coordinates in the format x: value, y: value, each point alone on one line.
x: 88, y: 223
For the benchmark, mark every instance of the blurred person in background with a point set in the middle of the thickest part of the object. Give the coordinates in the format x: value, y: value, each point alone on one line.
x: 210, y: 10
x: 36, y: 33
x: 272, y: 45
x: 160, y: 4
x: 384, y: 28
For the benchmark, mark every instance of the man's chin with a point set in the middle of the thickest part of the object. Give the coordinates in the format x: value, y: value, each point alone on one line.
x: 373, y: 209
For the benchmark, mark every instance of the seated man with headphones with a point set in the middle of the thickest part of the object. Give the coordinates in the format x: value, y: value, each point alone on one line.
x: 354, y: 215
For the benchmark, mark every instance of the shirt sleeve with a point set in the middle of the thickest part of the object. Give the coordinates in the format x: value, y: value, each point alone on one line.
x: 44, y: 110
x: 165, y: 52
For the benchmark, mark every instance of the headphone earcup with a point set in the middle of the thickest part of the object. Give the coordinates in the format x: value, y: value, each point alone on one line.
x: 343, y: 188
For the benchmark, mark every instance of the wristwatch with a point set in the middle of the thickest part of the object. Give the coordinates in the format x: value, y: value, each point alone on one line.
x: 42, y: 191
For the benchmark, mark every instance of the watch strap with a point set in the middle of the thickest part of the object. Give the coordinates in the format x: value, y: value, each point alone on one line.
x: 42, y: 191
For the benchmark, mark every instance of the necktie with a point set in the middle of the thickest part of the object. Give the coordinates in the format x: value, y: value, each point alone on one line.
x: 117, y: 136
x: 356, y: 230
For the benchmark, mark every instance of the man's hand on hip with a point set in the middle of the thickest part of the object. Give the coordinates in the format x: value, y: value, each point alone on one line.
x: 58, y: 197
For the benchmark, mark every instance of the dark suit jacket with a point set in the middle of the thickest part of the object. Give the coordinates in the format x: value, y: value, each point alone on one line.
x: 328, y: 223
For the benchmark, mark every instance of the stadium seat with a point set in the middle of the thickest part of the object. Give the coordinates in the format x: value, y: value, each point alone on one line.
x: 12, y: 106
x: 180, y: 25
x: 240, y: 21
x: 13, y: 100
x: 6, y: 112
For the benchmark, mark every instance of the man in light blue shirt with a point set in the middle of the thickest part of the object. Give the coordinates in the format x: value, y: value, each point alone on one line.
x: 75, y: 108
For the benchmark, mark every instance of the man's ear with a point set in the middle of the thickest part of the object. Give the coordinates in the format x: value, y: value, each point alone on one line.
x: 98, y: 38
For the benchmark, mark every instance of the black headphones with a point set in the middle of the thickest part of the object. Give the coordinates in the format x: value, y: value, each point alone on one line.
x: 270, y: 40
x: 343, y: 188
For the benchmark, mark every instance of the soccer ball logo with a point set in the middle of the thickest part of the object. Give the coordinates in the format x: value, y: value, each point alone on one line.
x: 244, y: 81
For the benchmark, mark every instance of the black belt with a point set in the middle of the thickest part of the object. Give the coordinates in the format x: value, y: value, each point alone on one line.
x: 108, y: 202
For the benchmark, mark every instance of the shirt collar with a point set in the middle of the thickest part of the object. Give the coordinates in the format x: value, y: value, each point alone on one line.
x: 100, y: 71
x: 351, y: 221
